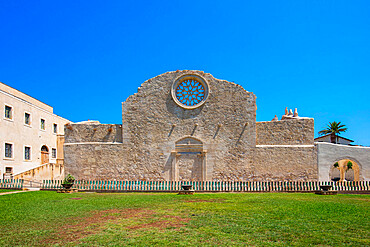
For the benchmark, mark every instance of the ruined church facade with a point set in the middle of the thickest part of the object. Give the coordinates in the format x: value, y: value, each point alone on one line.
x: 190, y: 126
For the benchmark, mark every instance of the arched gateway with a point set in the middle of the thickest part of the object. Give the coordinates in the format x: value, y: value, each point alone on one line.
x: 345, y: 170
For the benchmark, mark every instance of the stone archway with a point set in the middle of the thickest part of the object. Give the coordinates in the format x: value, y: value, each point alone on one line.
x: 345, y: 170
x: 189, y: 160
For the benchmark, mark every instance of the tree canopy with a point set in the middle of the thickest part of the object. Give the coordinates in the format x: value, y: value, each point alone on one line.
x: 333, y: 128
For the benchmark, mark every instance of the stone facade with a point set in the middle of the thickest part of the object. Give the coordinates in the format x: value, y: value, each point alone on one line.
x: 287, y: 132
x: 190, y: 126
x: 93, y: 133
x: 285, y: 163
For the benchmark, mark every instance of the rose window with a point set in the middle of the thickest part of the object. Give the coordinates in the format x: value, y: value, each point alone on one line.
x: 190, y: 91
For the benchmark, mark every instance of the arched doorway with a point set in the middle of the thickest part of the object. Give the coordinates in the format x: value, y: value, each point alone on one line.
x: 345, y: 170
x: 44, y: 155
x: 189, y: 160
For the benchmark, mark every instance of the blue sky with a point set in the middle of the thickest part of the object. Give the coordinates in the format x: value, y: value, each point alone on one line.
x: 86, y: 57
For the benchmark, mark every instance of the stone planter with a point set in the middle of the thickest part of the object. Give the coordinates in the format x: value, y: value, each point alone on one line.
x: 187, y: 187
x: 325, y: 190
x: 67, y: 186
x: 186, y: 190
x: 325, y: 187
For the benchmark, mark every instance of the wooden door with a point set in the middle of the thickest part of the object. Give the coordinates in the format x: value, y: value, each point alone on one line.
x: 44, y: 155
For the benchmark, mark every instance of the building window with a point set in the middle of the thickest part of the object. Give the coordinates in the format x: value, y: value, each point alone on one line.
x: 42, y: 124
x: 8, y: 112
x: 53, y: 153
x: 8, y: 150
x: 8, y: 170
x: 190, y: 91
x: 55, y: 128
x: 27, y: 153
x: 27, y: 118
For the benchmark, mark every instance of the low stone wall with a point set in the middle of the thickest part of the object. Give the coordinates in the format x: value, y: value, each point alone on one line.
x: 75, y: 133
x: 286, y: 132
x: 105, y: 161
x: 44, y: 172
x: 285, y: 163
x: 329, y: 153
x: 115, y: 161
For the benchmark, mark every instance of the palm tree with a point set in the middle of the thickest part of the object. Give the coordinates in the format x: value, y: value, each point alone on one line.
x: 333, y: 129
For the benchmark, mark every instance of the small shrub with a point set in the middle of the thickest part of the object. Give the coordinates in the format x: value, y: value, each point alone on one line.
x: 336, y: 165
x: 69, y: 179
x: 349, y: 165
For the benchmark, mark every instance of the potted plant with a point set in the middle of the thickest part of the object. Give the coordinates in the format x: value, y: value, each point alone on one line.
x: 68, y: 181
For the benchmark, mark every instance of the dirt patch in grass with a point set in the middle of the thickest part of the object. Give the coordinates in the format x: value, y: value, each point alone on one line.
x: 169, y: 221
x: 209, y: 200
x: 93, y: 224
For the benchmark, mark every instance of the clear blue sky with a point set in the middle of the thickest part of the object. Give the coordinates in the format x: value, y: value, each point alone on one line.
x: 86, y: 57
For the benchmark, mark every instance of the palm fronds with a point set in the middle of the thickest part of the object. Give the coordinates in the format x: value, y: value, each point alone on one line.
x: 333, y: 128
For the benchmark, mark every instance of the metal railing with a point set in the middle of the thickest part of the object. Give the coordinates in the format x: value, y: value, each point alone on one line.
x: 32, y: 183
x: 11, y: 183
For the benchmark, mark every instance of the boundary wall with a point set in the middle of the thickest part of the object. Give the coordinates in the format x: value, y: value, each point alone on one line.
x: 328, y: 154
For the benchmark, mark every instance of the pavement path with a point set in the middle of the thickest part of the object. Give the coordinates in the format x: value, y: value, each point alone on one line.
x: 19, y: 191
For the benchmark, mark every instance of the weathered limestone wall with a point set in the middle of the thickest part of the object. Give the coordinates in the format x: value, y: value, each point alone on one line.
x: 157, y: 134
x: 285, y: 163
x: 104, y: 161
x: 76, y: 133
x: 153, y: 123
x: 286, y: 132
x: 225, y: 124
x: 285, y: 151
x: 329, y: 153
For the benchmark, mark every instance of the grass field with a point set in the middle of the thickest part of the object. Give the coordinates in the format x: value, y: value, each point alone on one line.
x: 46, y: 218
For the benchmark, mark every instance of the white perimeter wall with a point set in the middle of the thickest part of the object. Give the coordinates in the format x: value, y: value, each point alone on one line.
x: 328, y: 154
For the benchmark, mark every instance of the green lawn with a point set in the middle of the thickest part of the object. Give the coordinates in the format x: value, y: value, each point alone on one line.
x: 223, y: 219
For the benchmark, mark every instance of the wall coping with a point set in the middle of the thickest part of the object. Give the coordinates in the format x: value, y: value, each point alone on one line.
x: 283, y: 146
x: 340, y: 145
x: 89, y: 143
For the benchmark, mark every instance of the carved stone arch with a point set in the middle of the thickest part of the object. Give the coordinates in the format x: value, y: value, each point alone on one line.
x: 189, y: 144
x: 193, y: 139
x: 342, y: 161
x: 348, y: 158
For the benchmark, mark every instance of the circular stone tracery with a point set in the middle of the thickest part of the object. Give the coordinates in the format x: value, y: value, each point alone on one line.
x: 190, y: 91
